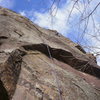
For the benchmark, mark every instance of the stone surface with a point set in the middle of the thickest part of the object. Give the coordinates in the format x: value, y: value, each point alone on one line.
x: 39, y: 64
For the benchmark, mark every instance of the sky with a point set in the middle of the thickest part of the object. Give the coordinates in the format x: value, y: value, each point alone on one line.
x: 65, y: 17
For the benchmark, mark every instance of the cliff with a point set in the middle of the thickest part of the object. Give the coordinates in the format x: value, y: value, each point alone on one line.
x: 40, y: 64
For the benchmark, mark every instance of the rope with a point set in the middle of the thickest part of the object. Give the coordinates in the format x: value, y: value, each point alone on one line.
x: 55, y: 75
x: 53, y: 71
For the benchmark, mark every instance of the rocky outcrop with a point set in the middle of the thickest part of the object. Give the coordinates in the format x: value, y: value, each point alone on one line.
x: 40, y: 64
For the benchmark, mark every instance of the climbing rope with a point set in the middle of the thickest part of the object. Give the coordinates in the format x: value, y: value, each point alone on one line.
x: 52, y: 65
x: 49, y: 53
x: 55, y: 75
x: 54, y: 72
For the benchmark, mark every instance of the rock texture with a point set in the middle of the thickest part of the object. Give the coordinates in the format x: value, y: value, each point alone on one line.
x: 40, y: 64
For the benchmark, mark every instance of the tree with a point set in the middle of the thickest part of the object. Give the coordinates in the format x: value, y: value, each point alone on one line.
x: 87, y: 24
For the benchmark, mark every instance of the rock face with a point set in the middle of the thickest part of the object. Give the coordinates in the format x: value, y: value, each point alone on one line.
x: 40, y: 64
